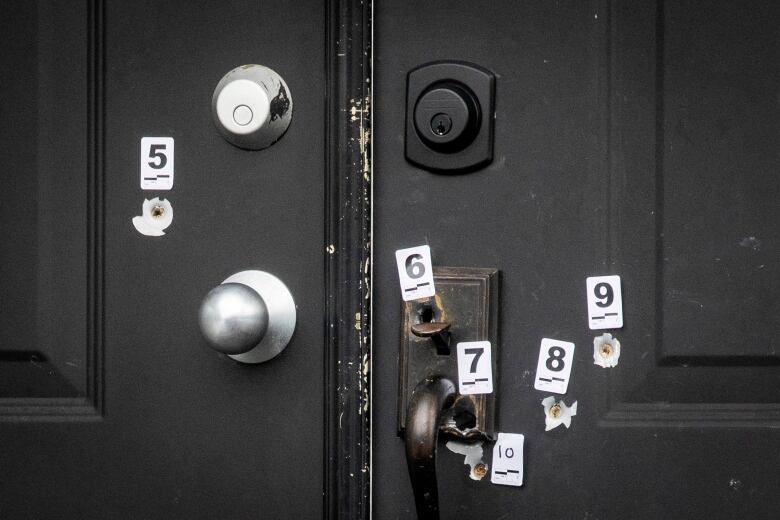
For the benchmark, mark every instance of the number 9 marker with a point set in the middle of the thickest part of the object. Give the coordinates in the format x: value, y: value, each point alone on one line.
x: 605, y: 302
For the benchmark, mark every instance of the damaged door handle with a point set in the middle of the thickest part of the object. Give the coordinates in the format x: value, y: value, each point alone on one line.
x: 465, y: 308
x: 430, y: 399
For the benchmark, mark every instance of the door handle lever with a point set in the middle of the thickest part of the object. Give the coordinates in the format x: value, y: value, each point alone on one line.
x: 430, y: 399
x: 438, y: 331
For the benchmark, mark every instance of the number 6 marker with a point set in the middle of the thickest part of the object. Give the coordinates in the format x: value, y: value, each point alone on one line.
x: 415, y: 272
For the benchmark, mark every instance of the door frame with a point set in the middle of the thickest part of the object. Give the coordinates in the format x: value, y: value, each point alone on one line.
x: 348, y: 265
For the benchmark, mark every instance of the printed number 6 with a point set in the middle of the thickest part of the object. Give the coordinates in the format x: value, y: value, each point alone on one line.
x: 414, y: 269
x: 555, y: 360
x: 155, y: 152
x: 603, y: 291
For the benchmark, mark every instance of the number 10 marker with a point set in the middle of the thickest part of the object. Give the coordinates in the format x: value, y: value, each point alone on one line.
x: 508, y: 460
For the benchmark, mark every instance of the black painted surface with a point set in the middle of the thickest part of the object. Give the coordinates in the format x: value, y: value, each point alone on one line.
x: 631, y: 138
x: 186, y: 432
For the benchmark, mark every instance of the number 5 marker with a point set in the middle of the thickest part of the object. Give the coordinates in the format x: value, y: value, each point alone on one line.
x: 415, y: 272
x: 156, y: 163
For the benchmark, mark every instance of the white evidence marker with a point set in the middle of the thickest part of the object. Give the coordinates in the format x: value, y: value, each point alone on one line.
x: 156, y: 163
x: 475, y: 368
x: 508, y: 460
x: 554, y: 366
x: 605, y: 302
x: 415, y: 272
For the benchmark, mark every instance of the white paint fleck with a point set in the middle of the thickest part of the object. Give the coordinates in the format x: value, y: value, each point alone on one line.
x: 156, y: 215
x: 751, y: 242
x: 606, y: 350
x: 473, y: 453
x: 557, y: 413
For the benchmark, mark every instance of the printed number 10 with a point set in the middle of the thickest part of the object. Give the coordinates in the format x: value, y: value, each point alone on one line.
x: 508, y: 453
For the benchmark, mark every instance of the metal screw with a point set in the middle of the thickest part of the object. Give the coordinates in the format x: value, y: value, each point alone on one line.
x: 158, y: 211
x: 480, y: 470
x: 606, y: 350
x: 555, y: 410
x: 441, y: 124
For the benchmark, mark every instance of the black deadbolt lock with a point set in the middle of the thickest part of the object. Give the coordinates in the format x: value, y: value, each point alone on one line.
x: 449, y: 125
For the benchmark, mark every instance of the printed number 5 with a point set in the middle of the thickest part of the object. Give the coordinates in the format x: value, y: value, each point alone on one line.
x: 474, y: 362
x: 414, y: 269
x: 155, y: 152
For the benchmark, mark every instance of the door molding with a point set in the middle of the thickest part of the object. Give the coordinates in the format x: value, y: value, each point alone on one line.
x: 90, y: 405
x: 348, y: 250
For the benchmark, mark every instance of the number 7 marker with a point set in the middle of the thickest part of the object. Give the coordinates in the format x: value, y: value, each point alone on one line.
x: 475, y: 368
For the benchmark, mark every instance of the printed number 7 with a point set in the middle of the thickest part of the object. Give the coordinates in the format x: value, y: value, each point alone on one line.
x: 474, y: 362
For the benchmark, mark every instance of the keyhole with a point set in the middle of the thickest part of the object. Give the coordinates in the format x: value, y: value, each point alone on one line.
x: 426, y: 314
x: 441, y: 124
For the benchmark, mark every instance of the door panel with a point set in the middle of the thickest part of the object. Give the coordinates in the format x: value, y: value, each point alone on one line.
x: 46, y: 348
x: 158, y: 425
x: 631, y: 138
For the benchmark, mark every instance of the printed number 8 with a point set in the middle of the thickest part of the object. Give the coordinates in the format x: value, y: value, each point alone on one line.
x: 555, y: 359
x: 414, y: 270
x: 603, y: 291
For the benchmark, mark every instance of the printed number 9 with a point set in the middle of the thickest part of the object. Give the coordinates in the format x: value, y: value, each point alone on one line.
x: 555, y: 359
x: 603, y: 291
x: 414, y: 270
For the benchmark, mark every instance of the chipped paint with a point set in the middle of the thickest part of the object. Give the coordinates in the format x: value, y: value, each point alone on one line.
x: 156, y: 216
x: 557, y: 413
x: 280, y: 104
x: 606, y: 351
x: 473, y: 452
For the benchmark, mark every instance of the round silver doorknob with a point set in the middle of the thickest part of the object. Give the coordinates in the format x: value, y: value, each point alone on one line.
x: 252, y: 107
x: 250, y: 317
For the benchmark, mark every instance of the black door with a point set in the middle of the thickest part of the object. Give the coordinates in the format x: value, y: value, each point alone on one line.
x: 637, y: 139
x: 111, y: 403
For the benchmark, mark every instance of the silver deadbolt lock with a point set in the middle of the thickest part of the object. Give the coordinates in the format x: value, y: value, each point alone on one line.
x: 250, y: 317
x: 252, y: 107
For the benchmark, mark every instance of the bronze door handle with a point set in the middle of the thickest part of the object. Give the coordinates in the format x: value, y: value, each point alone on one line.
x: 430, y: 398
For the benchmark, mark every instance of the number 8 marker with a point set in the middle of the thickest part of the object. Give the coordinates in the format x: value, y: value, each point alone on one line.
x: 554, y: 366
